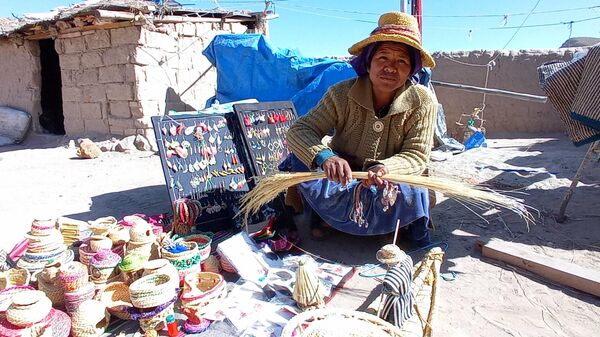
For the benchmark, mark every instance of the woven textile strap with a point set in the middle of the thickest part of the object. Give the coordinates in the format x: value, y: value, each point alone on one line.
x: 398, y: 298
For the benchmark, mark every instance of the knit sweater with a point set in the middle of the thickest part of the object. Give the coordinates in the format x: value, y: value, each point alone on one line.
x: 401, y: 140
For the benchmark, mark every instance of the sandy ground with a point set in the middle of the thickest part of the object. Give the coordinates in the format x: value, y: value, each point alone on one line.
x: 43, y: 178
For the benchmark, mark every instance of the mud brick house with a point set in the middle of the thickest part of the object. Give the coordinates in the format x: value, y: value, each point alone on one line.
x: 107, y: 67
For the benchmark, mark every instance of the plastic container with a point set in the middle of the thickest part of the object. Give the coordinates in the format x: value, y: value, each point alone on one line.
x: 477, y: 139
x: 172, y: 327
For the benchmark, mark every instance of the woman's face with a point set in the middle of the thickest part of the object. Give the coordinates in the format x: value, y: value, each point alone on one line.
x: 390, y: 67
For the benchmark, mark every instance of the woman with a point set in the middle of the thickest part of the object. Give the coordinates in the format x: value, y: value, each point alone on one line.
x: 382, y: 123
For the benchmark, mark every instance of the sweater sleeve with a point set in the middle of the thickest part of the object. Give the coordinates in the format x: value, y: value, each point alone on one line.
x: 418, y: 139
x: 305, y: 135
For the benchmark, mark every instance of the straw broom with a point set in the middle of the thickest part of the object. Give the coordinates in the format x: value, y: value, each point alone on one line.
x: 269, y: 187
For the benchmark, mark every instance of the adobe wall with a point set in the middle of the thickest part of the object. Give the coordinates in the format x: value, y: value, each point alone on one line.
x: 513, y: 71
x: 21, y: 77
x: 114, y: 80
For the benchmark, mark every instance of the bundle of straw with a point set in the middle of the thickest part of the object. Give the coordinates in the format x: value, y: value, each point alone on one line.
x: 269, y: 187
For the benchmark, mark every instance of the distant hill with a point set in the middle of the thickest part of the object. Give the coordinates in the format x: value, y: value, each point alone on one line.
x: 580, y: 42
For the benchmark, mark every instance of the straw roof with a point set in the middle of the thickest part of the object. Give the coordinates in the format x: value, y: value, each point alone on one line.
x: 43, y: 21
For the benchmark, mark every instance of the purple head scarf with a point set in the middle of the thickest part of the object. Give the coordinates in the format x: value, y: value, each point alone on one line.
x: 361, y: 62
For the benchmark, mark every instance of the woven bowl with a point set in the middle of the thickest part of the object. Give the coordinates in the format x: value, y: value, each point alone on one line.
x: 99, y: 242
x: 14, y: 277
x: 119, y: 235
x: 162, y: 266
x: 28, y: 308
x: 203, y: 241
x: 102, y: 226
x: 338, y: 322
x: 211, y: 264
x: 186, y: 262
x: 151, y: 291
x: 116, y: 298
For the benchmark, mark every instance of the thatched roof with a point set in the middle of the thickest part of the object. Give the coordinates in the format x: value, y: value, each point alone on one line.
x: 86, y: 11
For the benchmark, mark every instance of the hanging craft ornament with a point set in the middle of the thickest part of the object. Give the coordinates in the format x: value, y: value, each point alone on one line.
x: 185, y: 213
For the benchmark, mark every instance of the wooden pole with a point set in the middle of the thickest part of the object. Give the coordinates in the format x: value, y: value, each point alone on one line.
x: 497, y: 92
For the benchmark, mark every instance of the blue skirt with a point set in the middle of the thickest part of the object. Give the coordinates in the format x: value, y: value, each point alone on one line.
x: 336, y: 205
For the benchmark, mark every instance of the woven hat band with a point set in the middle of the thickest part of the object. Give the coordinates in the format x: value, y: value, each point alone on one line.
x: 402, y: 30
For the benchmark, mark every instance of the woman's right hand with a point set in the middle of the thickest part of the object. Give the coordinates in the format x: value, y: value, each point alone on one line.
x: 337, y: 169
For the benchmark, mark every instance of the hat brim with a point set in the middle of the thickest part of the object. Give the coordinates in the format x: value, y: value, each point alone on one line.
x: 426, y: 59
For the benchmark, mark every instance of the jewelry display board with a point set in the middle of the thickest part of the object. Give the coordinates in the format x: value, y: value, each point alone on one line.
x: 264, y: 127
x: 203, y: 160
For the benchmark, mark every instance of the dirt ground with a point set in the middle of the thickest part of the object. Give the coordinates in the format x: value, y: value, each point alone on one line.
x: 42, y: 178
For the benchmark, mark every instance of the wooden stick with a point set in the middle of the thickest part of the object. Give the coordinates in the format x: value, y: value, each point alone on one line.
x: 396, y: 231
x: 498, y: 92
x: 563, y: 272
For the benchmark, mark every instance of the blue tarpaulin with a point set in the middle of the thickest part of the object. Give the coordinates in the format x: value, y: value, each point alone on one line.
x: 248, y: 66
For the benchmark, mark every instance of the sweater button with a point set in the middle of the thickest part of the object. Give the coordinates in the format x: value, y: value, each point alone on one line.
x: 378, y: 126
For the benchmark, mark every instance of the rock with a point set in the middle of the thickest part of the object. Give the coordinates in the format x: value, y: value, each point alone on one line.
x: 72, y: 144
x: 141, y: 143
x: 88, y: 149
x: 126, y: 144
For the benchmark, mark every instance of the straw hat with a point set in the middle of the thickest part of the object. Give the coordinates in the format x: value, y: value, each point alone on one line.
x: 390, y: 254
x: 396, y: 27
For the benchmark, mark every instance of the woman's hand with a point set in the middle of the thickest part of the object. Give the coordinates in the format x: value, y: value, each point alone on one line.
x: 337, y: 169
x: 375, y: 172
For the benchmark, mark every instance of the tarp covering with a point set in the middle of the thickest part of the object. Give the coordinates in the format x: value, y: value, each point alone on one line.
x: 248, y: 66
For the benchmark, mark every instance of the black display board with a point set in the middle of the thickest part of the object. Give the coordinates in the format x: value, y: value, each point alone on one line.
x: 202, y: 159
x: 263, y: 127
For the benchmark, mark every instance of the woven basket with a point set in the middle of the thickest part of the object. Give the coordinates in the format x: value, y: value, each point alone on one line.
x: 28, y: 308
x: 154, y: 320
x: 14, y: 277
x: 73, y: 276
x: 119, y: 235
x: 7, y: 294
x: 90, y: 320
x: 58, y: 322
x: 103, y: 265
x: 74, y: 299
x: 200, y: 291
x: 53, y: 291
x: 151, y: 291
x: 186, y: 262
x: 226, y: 265
x: 116, y: 298
x: 43, y: 227
x: 338, y: 322
x: 211, y: 264
x: 99, y: 242
x: 204, y: 241
x: 102, y: 226
x: 162, y: 266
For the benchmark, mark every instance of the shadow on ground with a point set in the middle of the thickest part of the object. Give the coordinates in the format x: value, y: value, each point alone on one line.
x: 149, y: 200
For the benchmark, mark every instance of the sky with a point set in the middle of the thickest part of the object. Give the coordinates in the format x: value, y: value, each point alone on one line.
x: 329, y: 27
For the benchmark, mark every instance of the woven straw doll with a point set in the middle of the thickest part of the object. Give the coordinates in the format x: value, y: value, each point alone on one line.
x: 309, y: 292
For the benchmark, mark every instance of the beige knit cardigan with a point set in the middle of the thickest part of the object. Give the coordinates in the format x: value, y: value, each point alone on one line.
x: 401, y: 140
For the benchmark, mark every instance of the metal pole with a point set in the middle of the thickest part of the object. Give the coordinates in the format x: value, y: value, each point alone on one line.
x: 498, y: 92
x: 403, y: 5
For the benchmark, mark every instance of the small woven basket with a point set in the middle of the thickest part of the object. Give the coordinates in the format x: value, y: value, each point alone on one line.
x: 74, y: 299
x: 7, y: 294
x: 211, y: 264
x: 186, y: 262
x: 14, y: 277
x: 90, y: 320
x: 203, y: 240
x: 338, y: 322
x: 151, y: 291
x: 154, y: 320
x: 53, y: 291
x: 73, y: 276
x: 116, y: 298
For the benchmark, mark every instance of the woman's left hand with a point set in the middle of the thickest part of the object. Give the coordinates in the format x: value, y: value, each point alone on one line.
x: 376, y: 172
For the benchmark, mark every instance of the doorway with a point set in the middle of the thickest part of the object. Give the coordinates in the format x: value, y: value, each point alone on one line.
x: 51, y: 119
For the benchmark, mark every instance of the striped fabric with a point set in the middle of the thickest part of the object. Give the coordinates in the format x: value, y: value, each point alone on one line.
x: 573, y: 88
x: 398, y: 298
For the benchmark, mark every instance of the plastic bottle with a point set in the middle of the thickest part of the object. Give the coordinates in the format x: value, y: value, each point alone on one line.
x: 172, y: 327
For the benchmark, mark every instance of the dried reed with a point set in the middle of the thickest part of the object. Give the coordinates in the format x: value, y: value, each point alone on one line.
x: 269, y: 187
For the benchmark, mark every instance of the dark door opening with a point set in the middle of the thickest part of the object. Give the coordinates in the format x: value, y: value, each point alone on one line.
x: 51, y: 119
